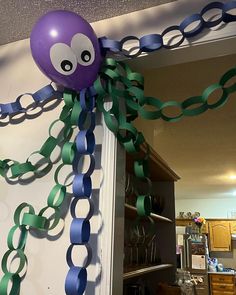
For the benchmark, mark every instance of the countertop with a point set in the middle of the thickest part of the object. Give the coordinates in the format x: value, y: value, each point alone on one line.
x: 222, y: 272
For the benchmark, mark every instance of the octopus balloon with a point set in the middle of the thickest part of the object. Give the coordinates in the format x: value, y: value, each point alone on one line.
x: 66, y: 49
x: 68, y: 52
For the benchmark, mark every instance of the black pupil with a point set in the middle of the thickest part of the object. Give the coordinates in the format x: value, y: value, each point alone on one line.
x: 86, y: 56
x: 66, y: 65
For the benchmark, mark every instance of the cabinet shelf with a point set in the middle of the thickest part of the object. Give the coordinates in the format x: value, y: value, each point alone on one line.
x: 158, y: 168
x: 145, y: 270
x: 132, y: 213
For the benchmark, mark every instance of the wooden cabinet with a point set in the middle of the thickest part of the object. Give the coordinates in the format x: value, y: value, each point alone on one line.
x: 221, y: 284
x: 219, y: 236
x: 233, y: 227
x: 163, y: 266
x: 189, y: 222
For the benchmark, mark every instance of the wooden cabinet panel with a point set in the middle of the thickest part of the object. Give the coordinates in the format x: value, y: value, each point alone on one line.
x: 222, y: 287
x: 220, y: 236
x: 184, y: 222
x: 222, y: 284
x: 233, y: 227
x: 225, y: 279
x: 189, y: 222
x: 223, y: 293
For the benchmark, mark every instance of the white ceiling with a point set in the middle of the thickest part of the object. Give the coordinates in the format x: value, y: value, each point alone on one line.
x: 18, y: 17
x: 201, y: 149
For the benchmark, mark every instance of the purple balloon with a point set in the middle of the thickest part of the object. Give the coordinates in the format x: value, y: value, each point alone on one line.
x: 66, y: 49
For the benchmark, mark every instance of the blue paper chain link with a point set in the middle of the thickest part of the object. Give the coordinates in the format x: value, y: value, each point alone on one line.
x: 76, y: 279
x: 147, y: 43
x: 154, y: 42
x: 42, y: 95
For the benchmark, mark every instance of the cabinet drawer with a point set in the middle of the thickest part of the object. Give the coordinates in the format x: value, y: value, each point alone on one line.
x: 222, y: 287
x: 222, y: 293
x: 226, y: 279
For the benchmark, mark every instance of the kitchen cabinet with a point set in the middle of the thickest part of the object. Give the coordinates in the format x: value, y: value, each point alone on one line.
x: 190, y: 222
x: 163, y: 266
x: 219, y: 236
x: 222, y: 284
x: 233, y: 227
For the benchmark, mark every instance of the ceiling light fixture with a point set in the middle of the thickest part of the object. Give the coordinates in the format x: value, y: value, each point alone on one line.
x: 233, y: 177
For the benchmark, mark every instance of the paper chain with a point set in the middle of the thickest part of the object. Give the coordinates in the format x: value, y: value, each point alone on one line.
x: 147, y: 43
x: 75, y: 111
x: 154, y: 42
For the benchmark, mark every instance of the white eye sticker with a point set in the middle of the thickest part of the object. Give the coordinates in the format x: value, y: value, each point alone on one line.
x: 83, y: 48
x: 63, y: 59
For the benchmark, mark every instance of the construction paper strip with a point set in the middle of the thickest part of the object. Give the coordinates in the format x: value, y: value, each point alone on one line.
x: 15, y: 284
x: 79, y: 231
x: 86, y: 261
x: 22, y: 258
x: 73, y: 209
x: 21, y: 240
x: 76, y: 281
x: 82, y: 186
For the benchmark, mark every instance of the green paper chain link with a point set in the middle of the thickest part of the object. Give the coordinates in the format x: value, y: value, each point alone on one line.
x: 121, y: 84
x: 25, y: 217
x: 116, y: 82
x: 68, y: 117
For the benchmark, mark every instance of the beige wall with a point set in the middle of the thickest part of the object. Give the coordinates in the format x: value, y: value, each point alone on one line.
x: 201, y: 149
x: 228, y: 259
x: 47, y: 266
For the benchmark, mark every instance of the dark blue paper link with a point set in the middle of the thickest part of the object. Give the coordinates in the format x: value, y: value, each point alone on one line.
x: 87, y: 260
x: 76, y: 281
x: 78, y: 162
x: 190, y: 20
x: 43, y: 94
x: 82, y: 186
x: 10, y: 108
x: 210, y: 6
x: 168, y: 30
x: 151, y: 42
x: 74, y: 210
x: 109, y: 44
x: 227, y: 17
x: 79, y: 231
x: 85, y: 142
x: 83, y: 120
x: 89, y: 104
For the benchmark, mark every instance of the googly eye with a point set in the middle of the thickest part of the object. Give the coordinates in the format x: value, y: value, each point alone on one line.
x: 83, y: 48
x: 63, y: 59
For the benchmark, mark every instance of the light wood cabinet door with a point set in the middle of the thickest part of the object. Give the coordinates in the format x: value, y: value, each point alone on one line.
x: 222, y: 284
x: 233, y: 227
x: 222, y: 293
x: 220, y: 236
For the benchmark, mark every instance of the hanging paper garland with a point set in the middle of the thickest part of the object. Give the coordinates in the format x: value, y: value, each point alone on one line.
x: 67, y: 50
